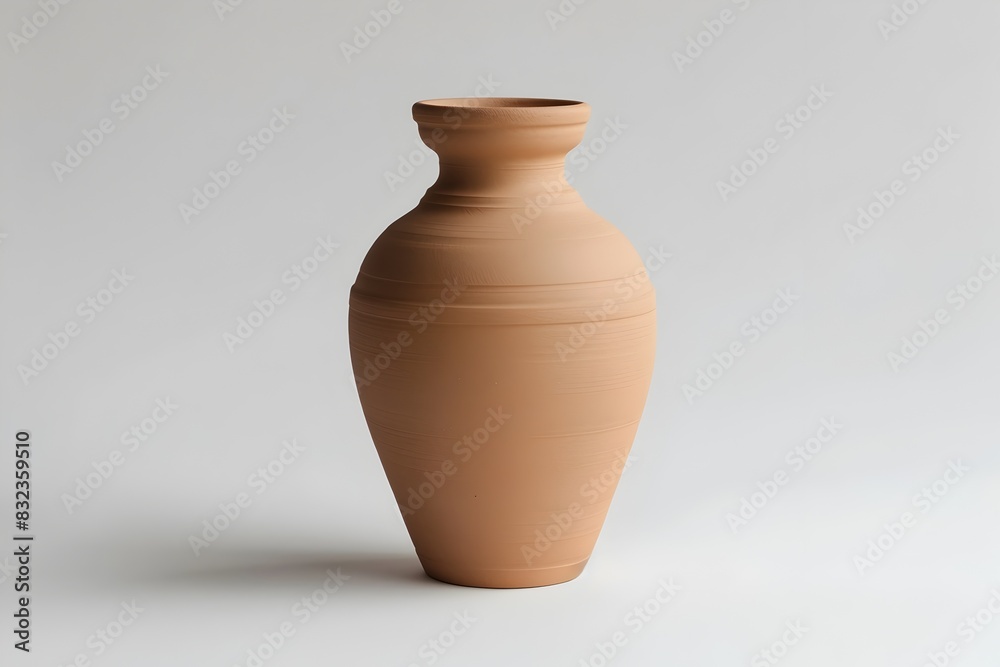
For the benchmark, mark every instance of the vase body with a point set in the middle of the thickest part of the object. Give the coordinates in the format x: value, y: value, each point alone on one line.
x: 502, y: 338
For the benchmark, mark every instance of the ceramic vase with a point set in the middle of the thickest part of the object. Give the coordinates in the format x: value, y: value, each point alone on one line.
x: 502, y: 337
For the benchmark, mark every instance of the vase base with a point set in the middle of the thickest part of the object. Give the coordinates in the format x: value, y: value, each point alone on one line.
x: 521, y: 578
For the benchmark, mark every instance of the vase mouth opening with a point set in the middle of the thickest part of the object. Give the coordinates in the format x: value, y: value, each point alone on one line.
x: 498, y: 102
x: 453, y: 111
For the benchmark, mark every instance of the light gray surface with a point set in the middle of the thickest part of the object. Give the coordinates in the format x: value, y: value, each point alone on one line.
x: 683, y: 128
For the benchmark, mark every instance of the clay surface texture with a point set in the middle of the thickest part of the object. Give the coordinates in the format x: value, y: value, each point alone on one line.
x: 502, y: 338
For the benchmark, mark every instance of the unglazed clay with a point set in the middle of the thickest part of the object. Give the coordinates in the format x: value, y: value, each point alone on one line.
x: 502, y: 338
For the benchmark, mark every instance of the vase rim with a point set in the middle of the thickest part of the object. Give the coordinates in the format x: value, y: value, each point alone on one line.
x: 450, y: 111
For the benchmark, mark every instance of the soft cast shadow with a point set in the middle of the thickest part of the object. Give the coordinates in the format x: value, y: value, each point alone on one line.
x: 250, y: 568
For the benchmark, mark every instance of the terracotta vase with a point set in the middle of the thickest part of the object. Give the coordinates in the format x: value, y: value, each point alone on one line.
x: 502, y: 337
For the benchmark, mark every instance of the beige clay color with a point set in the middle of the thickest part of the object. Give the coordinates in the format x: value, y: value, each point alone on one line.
x: 502, y: 337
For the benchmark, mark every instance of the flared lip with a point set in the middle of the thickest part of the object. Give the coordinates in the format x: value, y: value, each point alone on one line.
x: 520, y: 111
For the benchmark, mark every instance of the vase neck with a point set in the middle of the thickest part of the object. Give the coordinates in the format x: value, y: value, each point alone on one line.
x: 500, y: 151
x: 492, y: 186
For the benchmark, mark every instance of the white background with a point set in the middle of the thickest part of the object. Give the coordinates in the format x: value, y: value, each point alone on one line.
x: 686, y: 125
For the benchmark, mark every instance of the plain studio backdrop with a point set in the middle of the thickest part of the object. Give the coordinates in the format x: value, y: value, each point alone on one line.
x: 815, y: 181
